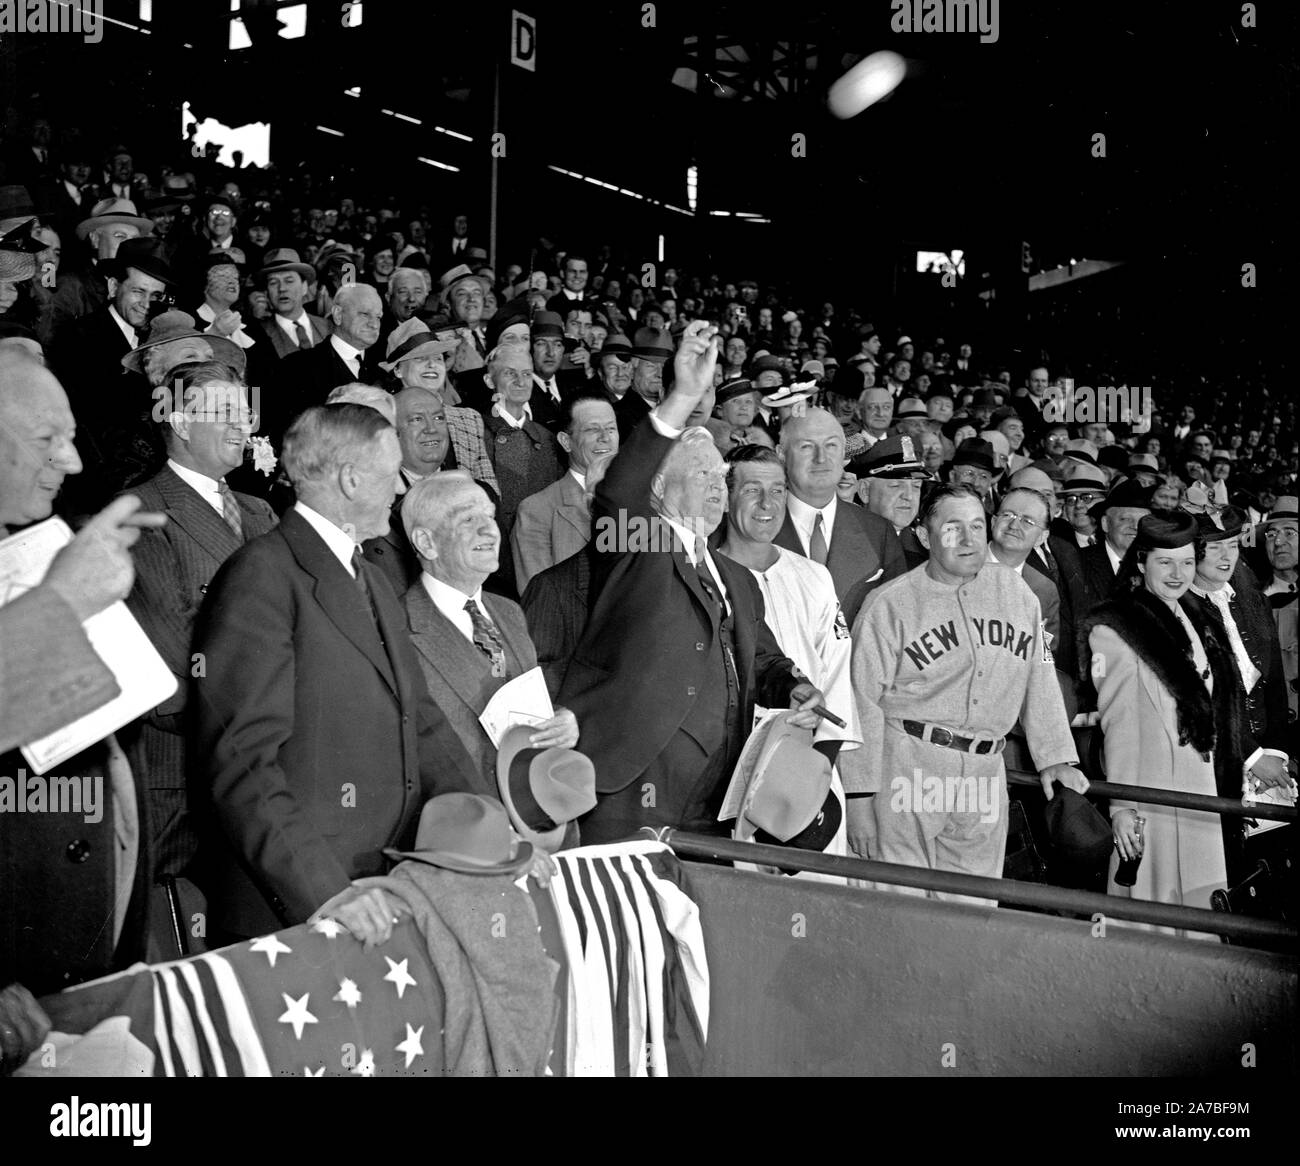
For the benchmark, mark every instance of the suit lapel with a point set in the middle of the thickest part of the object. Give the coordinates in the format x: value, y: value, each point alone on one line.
x: 572, y: 508
x: 691, y: 578
x: 338, y: 594
x: 850, y: 558
x: 194, y: 516
x: 443, y: 645
x: 788, y: 537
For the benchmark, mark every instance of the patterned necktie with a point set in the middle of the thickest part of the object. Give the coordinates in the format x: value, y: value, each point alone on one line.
x: 1052, y: 573
x: 817, y: 544
x: 486, y: 639
x: 230, y: 509
x: 304, y: 337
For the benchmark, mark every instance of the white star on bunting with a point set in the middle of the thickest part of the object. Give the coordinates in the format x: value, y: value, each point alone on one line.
x: 306, y: 1072
x: 365, y: 1066
x: 399, y: 976
x: 329, y: 928
x: 411, y: 1046
x: 348, y: 993
x: 270, y: 946
x: 296, y: 1013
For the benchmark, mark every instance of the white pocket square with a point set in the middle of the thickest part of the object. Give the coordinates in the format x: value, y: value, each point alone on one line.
x: 879, y: 571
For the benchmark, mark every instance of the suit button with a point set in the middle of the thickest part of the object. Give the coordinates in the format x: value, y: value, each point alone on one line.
x: 699, y: 647
x: 690, y: 692
x: 78, y: 851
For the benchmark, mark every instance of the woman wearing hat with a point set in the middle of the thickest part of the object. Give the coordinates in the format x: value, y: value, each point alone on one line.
x: 1168, y: 691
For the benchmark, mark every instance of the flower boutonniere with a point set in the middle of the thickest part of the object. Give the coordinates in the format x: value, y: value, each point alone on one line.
x: 264, y: 460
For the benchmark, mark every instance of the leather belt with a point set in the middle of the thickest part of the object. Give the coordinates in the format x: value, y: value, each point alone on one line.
x: 938, y: 735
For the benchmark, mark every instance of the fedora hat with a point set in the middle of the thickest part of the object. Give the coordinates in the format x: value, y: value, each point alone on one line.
x: 894, y: 457
x: 788, y: 800
x: 16, y: 266
x: 469, y: 834
x: 144, y: 254
x: 1129, y: 492
x: 1143, y: 462
x: 176, y: 325
x: 1082, y: 450
x: 458, y: 274
x: 616, y: 344
x: 15, y: 208
x: 1283, y: 509
x: 975, y: 451
x: 546, y: 323
x: 280, y: 259
x: 114, y: 210
x: 543, y: 790
x: 911, y: 407
x: 1080, y: 835
x: 651, y: 344
x: 413, y: 338
x: 1081, y: 479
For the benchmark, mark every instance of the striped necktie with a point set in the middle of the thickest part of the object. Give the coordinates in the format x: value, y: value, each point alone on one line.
x: 230, y: 509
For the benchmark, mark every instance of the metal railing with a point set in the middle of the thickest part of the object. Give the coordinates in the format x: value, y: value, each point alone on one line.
x: 1007, y: 892
x: 1169, y: 797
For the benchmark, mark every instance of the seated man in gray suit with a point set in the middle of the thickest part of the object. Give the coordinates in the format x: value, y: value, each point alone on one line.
x: 469, y: 643
x: 555, y: 523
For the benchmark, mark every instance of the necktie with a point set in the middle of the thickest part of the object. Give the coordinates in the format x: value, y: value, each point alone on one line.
x: 230, y: 510
x: 359, y: 566
x: 1050, y: 563
x: 817, y: 550
x: 486, y: 639
x: 304, y: 337
x: 706, y: 578
x: 478, y: 344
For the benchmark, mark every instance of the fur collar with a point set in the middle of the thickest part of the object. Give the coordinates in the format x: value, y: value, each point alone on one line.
x: 1148, y: 627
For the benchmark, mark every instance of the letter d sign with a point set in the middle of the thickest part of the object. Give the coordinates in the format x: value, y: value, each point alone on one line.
x: 523, y: 41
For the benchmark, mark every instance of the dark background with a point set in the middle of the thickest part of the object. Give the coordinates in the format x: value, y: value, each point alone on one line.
x: 984, y: 147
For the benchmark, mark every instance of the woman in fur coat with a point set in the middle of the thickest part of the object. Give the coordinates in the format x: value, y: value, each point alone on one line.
x: 1169, y: 697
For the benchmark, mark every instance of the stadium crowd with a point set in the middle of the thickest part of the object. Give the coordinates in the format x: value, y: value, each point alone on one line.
x: 351, y: 479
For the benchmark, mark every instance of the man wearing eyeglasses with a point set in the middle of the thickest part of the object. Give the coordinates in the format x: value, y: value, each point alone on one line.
x: 204, y: 436
x: 1019, y: 526
x: 1280, y: 543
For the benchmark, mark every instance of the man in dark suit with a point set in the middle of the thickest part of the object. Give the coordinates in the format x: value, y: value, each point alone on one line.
x: 470, y: 643
x: 306, y: 378
x: 68, y: 874
x: 650, y: 353
x: 548, y: 351
x: 860, y: 549
x: 1117, y: 517
x: 676, y: 645
x: 556, y: 605
x: 290, y: 329
x: 317, y: 735
x: 204, y: 436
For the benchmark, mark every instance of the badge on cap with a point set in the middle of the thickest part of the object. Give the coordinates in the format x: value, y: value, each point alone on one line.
x: 909, y: 452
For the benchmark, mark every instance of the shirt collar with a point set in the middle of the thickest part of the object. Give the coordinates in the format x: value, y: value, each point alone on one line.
x: 449, y: 600
x: 514, y: 423
x: 1114, y: 556
x: 1019, y: 570
x: 210, y: 487
x: 340, y: 543
x: 804, y: 515
x: 126, y: 328
x: 291, y: 326
x: 580, y: 478
x: 346, y: 350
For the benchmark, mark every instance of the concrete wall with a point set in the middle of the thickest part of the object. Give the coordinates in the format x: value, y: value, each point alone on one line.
x: 814, y: 979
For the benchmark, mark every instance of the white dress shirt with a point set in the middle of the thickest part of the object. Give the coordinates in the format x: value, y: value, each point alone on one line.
x: 451, y: 603
x: 1113, y: 555
x: 340, y: 543
x: 804, y: 516
x: 209, y: 489
x: 1018, y: 568
x: 548, y: 386
x: 350, y: 354
x: 126, y: 328
x: 581, y: 479
x: 290, y: 327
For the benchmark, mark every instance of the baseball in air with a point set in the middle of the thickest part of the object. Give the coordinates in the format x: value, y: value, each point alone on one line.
x: 871, y: 79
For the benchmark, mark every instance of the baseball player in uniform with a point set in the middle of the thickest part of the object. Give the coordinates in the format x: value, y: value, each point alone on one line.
x: 945, y: 658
